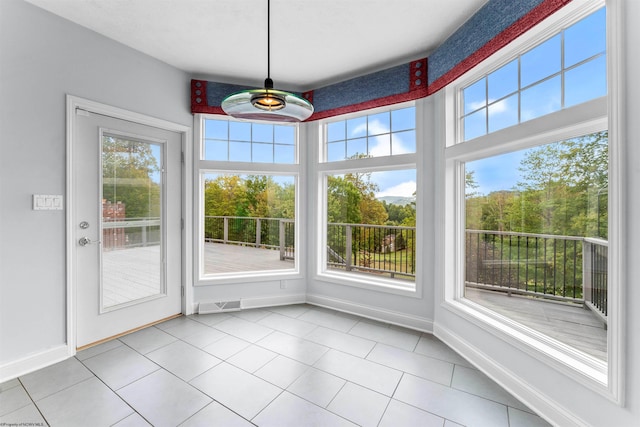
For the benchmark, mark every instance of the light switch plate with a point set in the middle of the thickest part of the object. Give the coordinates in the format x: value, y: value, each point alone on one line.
x: 47, y: 202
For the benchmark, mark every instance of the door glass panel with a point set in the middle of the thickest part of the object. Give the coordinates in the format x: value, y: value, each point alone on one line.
x: 132, y: 268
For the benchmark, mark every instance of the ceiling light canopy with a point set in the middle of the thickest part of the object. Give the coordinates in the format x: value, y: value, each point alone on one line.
x: 268, y: 103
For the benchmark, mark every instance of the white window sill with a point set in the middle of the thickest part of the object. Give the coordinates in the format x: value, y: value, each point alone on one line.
x: 397, y: 287
x: 247, y: 277
x: 585, y: 369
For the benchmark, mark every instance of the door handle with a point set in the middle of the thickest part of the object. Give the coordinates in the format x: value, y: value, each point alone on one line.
x: 84, y: 241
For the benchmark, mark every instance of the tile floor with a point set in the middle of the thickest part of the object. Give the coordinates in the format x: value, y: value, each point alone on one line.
x: 296, y: 365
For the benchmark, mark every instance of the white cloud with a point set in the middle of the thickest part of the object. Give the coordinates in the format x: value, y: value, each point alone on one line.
x: 499, y: 107
x: 359, y: 130
x: 495, y: 108
x: 473, y: 106
x: 379, y: 146
x: 377, y: 127
x: 404, y: 189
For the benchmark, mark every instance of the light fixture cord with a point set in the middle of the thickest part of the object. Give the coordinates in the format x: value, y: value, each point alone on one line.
x: 269, y: 39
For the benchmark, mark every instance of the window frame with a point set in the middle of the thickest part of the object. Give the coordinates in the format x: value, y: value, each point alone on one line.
x: 251, y: 142
x: 521, y: 88
x: 203, y: 167
x: 366, y: 114
x: 371, y: 164
x: 591, y: 116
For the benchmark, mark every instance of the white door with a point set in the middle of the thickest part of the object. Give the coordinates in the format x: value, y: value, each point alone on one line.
x: 126, y: 181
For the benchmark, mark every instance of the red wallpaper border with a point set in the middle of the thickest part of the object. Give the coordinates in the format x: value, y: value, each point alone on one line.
x: 515, y: 30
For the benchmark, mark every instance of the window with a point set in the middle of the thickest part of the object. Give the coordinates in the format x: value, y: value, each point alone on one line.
x: 249, y: 222
x: 536, y: 230
x: 368, y: 179
x: 562, y: 71
x: 533, y: 222
x: 247, y: 179
x: 375, y: 135
x: 231, y: 141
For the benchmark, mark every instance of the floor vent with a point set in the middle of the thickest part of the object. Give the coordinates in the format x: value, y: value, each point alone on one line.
x: 218, y: 306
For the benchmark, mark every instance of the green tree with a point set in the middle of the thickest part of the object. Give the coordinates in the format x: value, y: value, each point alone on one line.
x: 569, y: 178
x: 284, y: 203
x: 257, y: 188
x: 343, y: 201
x: 226, y: 195
x: 470, y: 184
x: 372, y: 211
x: 252, y: 196
x: 129, y: 175
x: 400, y: 215
x: 562, y: 191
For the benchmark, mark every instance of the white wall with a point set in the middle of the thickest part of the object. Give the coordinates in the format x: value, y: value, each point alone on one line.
x: 43, y: 58
x: 561, y: 398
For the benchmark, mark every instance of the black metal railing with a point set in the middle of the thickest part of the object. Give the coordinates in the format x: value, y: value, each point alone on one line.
x: 375, y: 249
x: 564, y: 268
x: 382, y: 250
x: 596, y: 265
x: 525, y: 263
x: 266, y: 233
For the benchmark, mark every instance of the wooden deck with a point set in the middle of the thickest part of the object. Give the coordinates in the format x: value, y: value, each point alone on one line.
x: 130, y: 274
x: 571, y: 324
x: 221, y: 258
x: 134, y: 273
x: 136, y: 277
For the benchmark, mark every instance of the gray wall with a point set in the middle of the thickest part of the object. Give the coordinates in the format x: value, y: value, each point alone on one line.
x: 43, y: 58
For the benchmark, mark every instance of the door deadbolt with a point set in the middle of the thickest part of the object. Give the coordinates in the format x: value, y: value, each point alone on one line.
x: 84, y: 241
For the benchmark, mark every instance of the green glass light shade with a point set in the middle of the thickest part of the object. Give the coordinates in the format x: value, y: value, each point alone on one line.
x: 267, y: 104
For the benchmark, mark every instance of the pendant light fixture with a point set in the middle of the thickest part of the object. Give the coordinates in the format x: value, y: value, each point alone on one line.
x: 267, y: 103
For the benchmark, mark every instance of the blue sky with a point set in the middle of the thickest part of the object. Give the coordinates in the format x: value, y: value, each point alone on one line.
x: 496, y: 173
x: 378, y: 135
x: 531, y: 86
x: 399, y: 183
x: 565, y: 70
x: 249, y: 142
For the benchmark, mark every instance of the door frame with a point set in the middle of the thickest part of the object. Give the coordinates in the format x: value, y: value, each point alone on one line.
x: 73, y: 104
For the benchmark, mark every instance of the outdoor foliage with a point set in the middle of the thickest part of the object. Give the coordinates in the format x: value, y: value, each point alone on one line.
x: 351, y: 200
x: 562, y: 191
x: 253, y: 196
x: 128, y: 170
x: 247, y: 199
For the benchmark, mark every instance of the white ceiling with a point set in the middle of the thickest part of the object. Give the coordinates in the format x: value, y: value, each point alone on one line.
x: 313, y: 42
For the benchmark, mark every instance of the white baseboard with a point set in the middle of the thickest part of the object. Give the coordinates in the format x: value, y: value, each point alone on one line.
x: 376, y: 313
x: 534, y: 399
x: 272, y: 301
x: 31, y: 363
